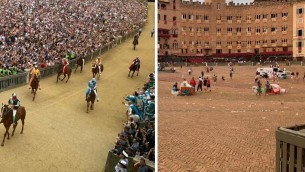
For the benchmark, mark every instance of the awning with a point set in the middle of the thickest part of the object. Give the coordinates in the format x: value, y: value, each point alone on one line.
x: 277, y: 53
x: 163, y: 29
x: 234, y: 55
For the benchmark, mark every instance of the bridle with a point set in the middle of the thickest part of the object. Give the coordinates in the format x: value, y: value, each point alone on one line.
x: 6, y: 111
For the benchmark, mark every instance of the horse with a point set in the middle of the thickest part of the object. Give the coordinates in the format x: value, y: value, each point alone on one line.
x: 134, y: 67
x: 80, y: 62
x: 135, y: 42
x: 60, y: 72
x: 7, y: 119
x: 34, y: 86
x: 91, y: 98
x: 95, y: 70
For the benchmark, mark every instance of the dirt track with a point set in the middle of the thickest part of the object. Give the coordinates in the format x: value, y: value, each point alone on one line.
x: 59, y: 135
x: 227, y: 129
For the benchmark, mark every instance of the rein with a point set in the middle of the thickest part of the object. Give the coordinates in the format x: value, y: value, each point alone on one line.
x: 5, y: 112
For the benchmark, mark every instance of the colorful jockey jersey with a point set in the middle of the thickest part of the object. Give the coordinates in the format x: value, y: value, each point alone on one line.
x: 98, y: 61
x: 136, y: 61
x: 35, y: 71
x: 92, y: 85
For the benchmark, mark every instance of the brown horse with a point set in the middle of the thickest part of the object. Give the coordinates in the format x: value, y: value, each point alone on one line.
x: 60, y: 72
x: 95, y: 70
x: 7, y: 119
x: 34, y: 86
x: 134, y: 68
x: 80, y: 62
x: 91, y: 98
x: 135, y: 41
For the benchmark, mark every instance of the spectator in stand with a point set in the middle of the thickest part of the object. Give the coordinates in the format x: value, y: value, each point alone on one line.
x: 141, y: 166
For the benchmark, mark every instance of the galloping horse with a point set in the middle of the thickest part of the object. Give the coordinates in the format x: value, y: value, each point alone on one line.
x: 7, y: 120
x: 91, y: 98
x: 60, y: 72
x: 95, y: 70
x: 80, y: 62
x: 34, y: 85
x: 135, y: 41
x: 134, y: 67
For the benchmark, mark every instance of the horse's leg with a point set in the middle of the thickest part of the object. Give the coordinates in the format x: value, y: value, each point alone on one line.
x: 64, y: 77
x: 68, y: 76
x: 57, y: 78
x: 34, y: 94
x: 87, y: 106
x: 132, y: 74
x: 138, y: 73
x: 14, y: 127
x: 129, y: 73
x: 4, y: 137
x: 76, y: 68
x: 92, y: 103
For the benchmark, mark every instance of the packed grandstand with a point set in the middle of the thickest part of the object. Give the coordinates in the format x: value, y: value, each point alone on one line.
x: 44, y: 32
x: 138, y: 134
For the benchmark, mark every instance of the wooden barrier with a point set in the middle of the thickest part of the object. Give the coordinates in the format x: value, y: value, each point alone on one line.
x: 290, y: 149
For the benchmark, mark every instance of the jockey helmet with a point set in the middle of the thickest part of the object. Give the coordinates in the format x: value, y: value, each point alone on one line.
x: 36, y: 66
x: 93, y: 80
x: 14, y: 96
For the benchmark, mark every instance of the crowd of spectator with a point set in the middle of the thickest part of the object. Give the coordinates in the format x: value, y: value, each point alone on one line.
x: 47, y: 31
x: 138, y: 134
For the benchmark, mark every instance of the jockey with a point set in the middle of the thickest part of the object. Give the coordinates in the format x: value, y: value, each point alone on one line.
x: 98, y: 62
x: 65, y: 63
x: 136, y: 61
x: 92, y: 85
x: 35, y: 71
x: 15, y: 104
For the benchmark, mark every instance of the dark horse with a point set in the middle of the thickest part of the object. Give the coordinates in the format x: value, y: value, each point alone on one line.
x: 135, y: 41
x: 91, y: 98
x: 95, y: 70
x: 7, y: 120
x: 134, y: 67
x: 60, y: 72
x: 80, y: 62
x: 34, y: 85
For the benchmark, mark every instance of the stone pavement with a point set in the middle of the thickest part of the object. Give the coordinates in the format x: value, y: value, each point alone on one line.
x: 227, y: 129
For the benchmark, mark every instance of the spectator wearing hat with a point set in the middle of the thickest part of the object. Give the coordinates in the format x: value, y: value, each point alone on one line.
x: 141, y: 166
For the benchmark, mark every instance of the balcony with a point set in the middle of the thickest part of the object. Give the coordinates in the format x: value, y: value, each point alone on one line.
x: 218, y: 34
x: 230, y: 34
x: 257, y: 33
x: 257, y: 46
x: 265, y: 20
x: 218, y: 46
x: 273, y: 45
x: 238, y: 21
x: 206, y: 21
x: 284, y: 45
x: 265, y: 45
x: 238, y: 46
x: 284, y: 32
x: 229, y: 46
x: 198, y: 21
x: 248, y: 21
x: 284, y: 18
x: 218, y: 21
x: 248, y: 33
x: 198, y: 34
x: 273, y: 33
x: 273, y: 19
x: 191, y: 34
x: 183, y: 33
x: 257, y: 20
x: 230, y: 21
